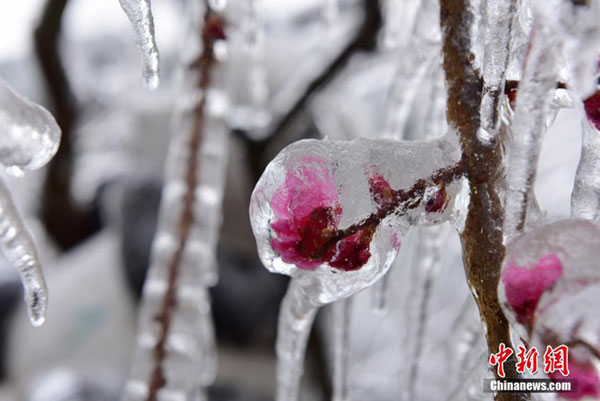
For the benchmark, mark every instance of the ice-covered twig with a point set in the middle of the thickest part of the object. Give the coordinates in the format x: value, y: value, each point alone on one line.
x: 19, y: 249
x: 585, y: 200
x: 175, y: 352
x: 139, y: 13
x: 536, y: 91
x: 342, y: 343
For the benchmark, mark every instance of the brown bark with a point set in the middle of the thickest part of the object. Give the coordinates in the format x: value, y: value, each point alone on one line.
x: 63, y: 218
x: 482, y: 240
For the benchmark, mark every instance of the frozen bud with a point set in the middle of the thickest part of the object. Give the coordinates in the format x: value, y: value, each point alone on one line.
x: 549, y: 290
x: 330, y: 214
x: 592, y: 109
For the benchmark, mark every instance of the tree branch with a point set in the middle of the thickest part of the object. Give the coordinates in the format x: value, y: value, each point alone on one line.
x: 482, y: 242
x: 64, y: 220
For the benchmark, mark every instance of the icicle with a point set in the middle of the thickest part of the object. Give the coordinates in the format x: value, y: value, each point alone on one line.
x: 413, y: 65
x: 140, y: 15
x: 295, y: 321
x: 175, y: 353
x: 498, y: 20
x: 474, y: 372
x: 341, y: 359
x: 585, y: 200
x: 251, y: 112
x: 29, y: 135
x: 19, y: 249
x: 380, y: 295
x: 29, y: 138
x: 536, y: 92
x: 429, y: 254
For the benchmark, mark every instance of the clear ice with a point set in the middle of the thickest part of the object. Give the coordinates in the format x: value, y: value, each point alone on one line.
x: 19, y: 249
x: 341, y: 351
x: 428, y: 264
x: 29, y: 138
x: 533, y: 105
x: 330, y: 215
x: 29, y: 135
x: 585, y: 200
x: 498, y: 20
x: 250, y: 111
x: 139, y: 13
x: 175, y: 321
x: 414, y: 62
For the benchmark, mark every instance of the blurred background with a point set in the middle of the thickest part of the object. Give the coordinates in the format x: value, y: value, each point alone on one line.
x: 93, y: 209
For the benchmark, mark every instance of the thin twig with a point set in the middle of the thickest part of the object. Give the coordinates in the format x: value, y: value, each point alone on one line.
x: 211, y: 29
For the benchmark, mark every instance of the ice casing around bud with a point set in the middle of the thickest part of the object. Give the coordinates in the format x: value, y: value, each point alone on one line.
x: 549, y: 291
x: 312, y: 175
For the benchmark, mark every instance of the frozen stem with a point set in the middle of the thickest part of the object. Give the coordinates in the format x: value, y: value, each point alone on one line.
x: 482, y: 240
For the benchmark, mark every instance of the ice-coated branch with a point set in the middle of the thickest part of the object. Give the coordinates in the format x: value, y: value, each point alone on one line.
x: 18, y: 248
x: 175, y: 354
x: 482, y: 241
x: 585, y: 200
x: 536, y: 91
x: 139, y: 13
x: 400, y: 203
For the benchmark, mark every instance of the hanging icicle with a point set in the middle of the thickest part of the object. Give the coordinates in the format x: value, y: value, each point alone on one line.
x: 29, y: 138
x: 569, y: 27
x: 342, y: 322
x: 413, y: 65
x: 429, y: 262
x: 585, y: 200
x: 251, y: 110
x: 536, y: 91
x: 176, y: 354
x: 18, y: 248
x: 139, y: 13
x: 498, y: 20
